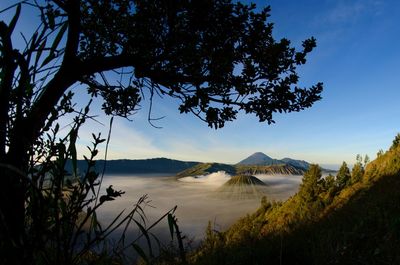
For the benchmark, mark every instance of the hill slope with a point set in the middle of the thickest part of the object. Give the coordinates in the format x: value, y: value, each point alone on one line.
x: 361, y: 225
x: 206, y: 168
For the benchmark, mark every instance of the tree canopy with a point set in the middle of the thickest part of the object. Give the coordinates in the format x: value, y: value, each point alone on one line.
x: 310, y: 186
x: 343, y: 176
x: 218, y: 58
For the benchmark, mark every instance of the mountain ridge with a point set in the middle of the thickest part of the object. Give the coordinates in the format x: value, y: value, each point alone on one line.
x: 261, y: 159
x: 208, y: 168
x: 133, y: 166
x: 258, y: 163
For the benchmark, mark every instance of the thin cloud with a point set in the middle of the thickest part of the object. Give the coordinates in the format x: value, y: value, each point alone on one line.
x: 350, y: 11
x: 125, y: 141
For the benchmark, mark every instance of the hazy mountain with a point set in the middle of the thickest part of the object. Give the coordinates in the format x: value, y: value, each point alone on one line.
x: 259, y: 158
x: 258, y: 163
x: 127, y: 166
x: 296, y: 163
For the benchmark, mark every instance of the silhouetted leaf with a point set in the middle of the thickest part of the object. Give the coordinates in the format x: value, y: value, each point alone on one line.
x: 141, y: 253
x: 48, y: 59
x: 105, y: 198
x: 58, y: 38
x: 14, y: 20
x: 146, y: 234
x: 171, y: 225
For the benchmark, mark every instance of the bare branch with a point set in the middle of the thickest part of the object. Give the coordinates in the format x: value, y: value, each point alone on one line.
x: 149, y: 118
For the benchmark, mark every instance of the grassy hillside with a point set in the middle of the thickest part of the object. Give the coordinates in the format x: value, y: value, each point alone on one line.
x: 358, y: 224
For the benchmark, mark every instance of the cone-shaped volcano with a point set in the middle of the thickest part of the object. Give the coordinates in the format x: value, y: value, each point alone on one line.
x: 242, y: 187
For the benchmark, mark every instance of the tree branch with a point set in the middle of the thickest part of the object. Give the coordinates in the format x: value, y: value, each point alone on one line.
x: 74, y: 19
x: 23, y: 82
x: 67, y: 75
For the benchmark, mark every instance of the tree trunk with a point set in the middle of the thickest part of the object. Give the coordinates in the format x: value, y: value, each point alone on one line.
x: 12, y: 210
x: 14, y: 167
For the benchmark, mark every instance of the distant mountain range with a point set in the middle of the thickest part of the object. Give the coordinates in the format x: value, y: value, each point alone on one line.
x: 207, y: 168
x: 257, y: 163
x: 127, y: 166
x: 261, y: 159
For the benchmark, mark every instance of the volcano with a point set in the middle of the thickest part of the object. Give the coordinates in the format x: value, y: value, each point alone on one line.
x: 242, y: 187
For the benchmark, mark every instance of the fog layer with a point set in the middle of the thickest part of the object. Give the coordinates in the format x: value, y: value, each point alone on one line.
x: 195, y: 198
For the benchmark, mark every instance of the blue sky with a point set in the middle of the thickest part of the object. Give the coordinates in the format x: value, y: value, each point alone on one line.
x: 358, y: 60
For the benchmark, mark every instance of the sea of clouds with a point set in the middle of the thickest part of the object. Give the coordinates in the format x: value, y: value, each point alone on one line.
x: 194, y: 197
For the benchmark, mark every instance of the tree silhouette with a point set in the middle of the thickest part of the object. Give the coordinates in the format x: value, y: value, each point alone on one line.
x: 217, y: 57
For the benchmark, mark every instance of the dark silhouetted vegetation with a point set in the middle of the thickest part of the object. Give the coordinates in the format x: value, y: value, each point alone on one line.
x: 216, y: 58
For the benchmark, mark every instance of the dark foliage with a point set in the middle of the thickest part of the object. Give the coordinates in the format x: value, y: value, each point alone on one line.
x: 217, y: 57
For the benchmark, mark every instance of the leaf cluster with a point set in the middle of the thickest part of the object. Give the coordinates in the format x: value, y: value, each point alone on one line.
x: 216, y: 57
